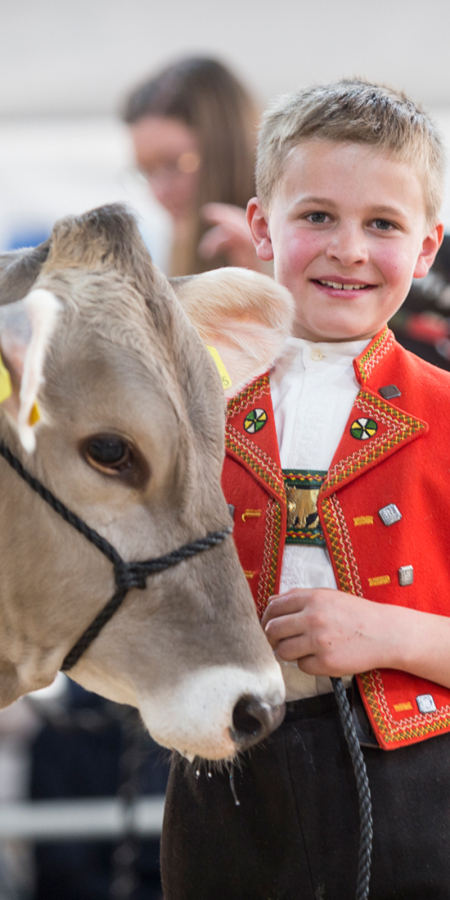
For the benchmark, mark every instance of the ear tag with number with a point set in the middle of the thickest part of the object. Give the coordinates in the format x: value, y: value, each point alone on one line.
x: 226, y: 380
x: 6, y: 391
x: 5, y: 382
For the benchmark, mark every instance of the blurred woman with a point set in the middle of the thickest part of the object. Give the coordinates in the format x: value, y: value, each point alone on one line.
x: 193, y: 127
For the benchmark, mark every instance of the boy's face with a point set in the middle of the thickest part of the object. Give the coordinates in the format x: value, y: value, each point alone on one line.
x: 347, y: 232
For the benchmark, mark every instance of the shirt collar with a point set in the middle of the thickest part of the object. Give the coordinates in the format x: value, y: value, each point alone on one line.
x: 338, y: 352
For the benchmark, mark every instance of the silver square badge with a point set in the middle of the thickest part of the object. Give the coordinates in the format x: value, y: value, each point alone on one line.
x: 390, y: 391
x: 390, y: 514
x: 405, y: 575
x: 426, y: 703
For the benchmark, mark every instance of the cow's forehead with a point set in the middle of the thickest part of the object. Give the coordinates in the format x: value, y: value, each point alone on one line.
x: 111, y: 304
x: 107, y: 325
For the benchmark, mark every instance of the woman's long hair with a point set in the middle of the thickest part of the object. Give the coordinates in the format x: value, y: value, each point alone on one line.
x: 203, y: 94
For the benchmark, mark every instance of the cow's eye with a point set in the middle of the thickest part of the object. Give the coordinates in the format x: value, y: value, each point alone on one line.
x: 108, y: 452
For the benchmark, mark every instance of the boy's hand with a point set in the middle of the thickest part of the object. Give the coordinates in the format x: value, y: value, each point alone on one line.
x: 333, y: 633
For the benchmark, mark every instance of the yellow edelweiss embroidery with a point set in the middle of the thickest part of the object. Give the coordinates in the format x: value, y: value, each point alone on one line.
x: 251, y: 514
x: 378, y: 580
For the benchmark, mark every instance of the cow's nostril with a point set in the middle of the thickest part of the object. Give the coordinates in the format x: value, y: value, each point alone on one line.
x: 253, y: 720
x: 245, y: 722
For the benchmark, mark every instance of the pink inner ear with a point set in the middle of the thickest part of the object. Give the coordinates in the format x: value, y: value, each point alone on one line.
x: 25, y: 330
x: 246, y: 316
x: 247, y: 350
x: 13, y: 356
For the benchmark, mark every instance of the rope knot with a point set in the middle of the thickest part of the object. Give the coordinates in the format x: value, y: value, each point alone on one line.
x: 130, y: 575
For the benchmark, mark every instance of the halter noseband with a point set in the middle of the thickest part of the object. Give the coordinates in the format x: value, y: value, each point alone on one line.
x: 126, y: 575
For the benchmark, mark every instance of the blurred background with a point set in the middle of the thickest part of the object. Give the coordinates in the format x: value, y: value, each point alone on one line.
x: 66, y: 67
x: 65, y: 72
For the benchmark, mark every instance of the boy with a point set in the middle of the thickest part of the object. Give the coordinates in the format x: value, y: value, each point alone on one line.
x: 344, y: 457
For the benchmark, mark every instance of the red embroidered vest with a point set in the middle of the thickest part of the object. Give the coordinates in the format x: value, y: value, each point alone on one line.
x: 395, y: 450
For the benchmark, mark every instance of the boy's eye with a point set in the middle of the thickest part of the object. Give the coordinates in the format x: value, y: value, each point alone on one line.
x: 317, y: 217
x: 383, y: 224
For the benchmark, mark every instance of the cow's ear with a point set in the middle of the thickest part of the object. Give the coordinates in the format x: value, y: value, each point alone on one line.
x: 25, y: 330
x: 244, y: 316
x: 19, y: 270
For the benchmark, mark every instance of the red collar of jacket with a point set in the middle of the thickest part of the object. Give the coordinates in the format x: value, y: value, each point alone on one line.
x: 392, y: 451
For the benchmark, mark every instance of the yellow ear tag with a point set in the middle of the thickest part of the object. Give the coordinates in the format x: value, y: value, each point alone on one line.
x: 5, y: 382
x: 35, y: 414
x: 6, y: 391
x: 226, y: 380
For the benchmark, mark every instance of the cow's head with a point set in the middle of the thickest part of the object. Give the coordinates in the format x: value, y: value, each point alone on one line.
x: 118, y: 408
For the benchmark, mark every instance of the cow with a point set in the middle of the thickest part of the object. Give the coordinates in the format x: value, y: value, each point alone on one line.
x: 116, y: 408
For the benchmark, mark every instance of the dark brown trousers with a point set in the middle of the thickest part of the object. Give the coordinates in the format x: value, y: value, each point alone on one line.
x: 295, y: 834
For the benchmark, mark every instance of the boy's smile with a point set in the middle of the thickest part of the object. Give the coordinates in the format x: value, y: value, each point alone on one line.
x: 347, y: 232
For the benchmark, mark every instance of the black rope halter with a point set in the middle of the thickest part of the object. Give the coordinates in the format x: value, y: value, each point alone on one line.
x: 127, y: 575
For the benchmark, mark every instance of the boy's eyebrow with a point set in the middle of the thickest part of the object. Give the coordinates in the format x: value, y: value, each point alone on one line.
x: 388, y: 210
x: 309, y: 198
x: 383, y: 209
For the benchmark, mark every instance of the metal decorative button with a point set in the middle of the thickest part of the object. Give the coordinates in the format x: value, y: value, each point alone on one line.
x: 390, y: 391
x: 405, y: 575
x: 255, y: 420
x: 362, y: 429
x: 426, y: 703
x: 390, y: 514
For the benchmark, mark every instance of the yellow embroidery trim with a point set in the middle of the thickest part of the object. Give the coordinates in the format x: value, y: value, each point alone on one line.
x: 252, y: 455
x: 375, y: 353
x: 256, y: 390
x: 226, y: 380
x: 363, y: 520
x: 379, y: 579
x: 400, y: 428
x: 414, y: 727
x: 268, y: 574
x: 401, y: 707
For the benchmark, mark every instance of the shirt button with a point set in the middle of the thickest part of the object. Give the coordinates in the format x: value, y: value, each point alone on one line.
x: 316, y: 355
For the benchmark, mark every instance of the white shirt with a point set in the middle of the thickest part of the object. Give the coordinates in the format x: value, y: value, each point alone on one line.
x: 313, y: 389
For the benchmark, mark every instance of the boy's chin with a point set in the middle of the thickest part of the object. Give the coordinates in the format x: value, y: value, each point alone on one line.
x: 337, y: 329
x: 337, y: 335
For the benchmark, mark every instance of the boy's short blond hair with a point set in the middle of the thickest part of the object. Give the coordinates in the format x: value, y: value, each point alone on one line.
x: 352, y: 111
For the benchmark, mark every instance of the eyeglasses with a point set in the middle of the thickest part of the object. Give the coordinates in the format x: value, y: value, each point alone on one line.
x: 171, y: 169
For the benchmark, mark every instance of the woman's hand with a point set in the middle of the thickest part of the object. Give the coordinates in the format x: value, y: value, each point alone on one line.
x: 230, y: 236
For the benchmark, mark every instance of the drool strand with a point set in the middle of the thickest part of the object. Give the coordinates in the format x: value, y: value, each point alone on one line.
x: 233, y: 788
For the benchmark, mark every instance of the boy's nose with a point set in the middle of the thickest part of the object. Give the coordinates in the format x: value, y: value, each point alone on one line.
x: 349, y: 247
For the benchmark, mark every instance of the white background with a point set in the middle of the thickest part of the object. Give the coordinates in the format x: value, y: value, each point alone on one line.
x: 65, y: 67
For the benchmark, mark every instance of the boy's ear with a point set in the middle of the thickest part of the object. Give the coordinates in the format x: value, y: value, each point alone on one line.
x: 259, y: 226
x: 243, y: 317
x: 429, y: 250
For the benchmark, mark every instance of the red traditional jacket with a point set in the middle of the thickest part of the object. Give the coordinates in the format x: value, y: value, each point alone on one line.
x: 395, y: 455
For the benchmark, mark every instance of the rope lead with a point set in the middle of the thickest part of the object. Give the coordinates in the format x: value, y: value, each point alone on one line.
x: 362, y: 784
